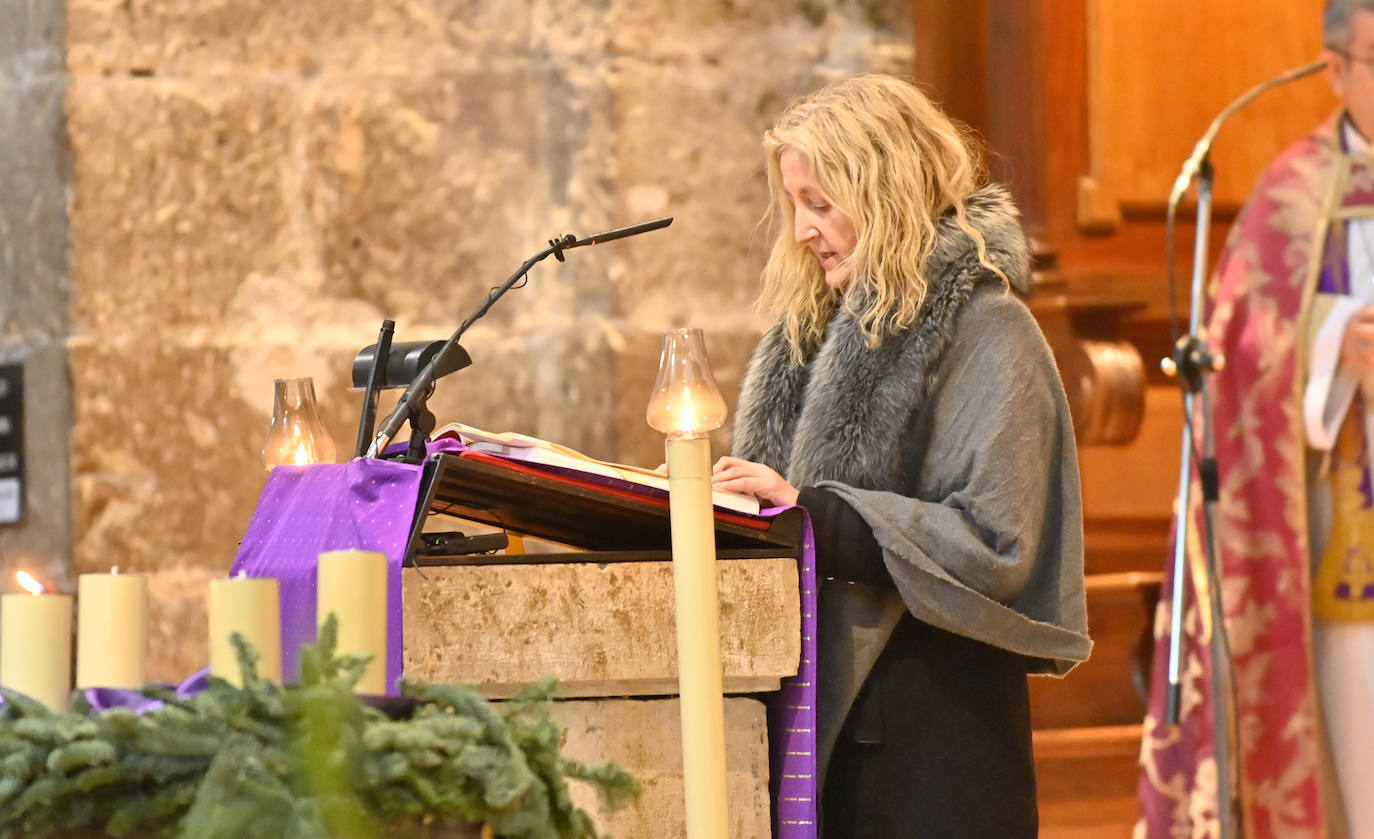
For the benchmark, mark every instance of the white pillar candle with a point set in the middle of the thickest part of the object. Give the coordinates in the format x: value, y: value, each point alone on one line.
x: 250, y: 606
x: 353, y: 586
x: 36, y: 646
x: 698, y: 637
x: 111, y: 630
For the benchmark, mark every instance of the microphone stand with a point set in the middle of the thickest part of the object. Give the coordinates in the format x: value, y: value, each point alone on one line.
x: 411, y: 406
x: 1189, y: 365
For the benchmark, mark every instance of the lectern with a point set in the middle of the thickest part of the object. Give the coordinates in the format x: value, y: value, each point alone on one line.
x: 598, y: 613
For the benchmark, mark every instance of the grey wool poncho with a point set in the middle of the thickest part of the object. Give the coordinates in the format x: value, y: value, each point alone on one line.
x: 954, y: 443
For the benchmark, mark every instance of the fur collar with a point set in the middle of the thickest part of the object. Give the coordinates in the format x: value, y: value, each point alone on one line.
x: 841, y: 415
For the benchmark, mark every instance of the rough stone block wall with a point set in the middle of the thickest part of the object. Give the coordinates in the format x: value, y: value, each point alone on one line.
x: 236, y: 191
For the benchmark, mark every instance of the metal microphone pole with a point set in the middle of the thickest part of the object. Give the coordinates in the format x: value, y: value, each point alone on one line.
x: 1192, y: 360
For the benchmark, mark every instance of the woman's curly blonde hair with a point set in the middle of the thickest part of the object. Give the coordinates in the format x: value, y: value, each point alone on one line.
x: 894, y: 164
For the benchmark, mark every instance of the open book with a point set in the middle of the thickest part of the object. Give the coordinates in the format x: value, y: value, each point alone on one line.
x: 533, y: 450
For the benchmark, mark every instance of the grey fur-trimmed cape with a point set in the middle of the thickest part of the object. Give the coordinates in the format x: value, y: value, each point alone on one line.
x: 953, y: 440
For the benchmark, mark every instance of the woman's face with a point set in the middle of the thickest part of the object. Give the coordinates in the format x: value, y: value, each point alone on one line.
x: 816, y: 223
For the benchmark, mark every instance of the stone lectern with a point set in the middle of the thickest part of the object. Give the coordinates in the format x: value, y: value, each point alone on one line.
x: 599, y: 616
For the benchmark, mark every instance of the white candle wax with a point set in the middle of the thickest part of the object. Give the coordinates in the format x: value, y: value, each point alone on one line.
x: 353, y: 586
x: 698, y: 637
x: 36, y: 646
x: 111, y: 630
x: 251, y: 607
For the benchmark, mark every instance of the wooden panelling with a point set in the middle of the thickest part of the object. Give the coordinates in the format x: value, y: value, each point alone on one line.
x: 1108, y: 689
x: 1158, y: 72
x: 1137, y: 481
x: 960, y: 86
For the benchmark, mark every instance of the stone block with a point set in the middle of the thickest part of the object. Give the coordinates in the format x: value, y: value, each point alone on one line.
x: 165, y: 464
x: 31, y: 41
x: 645, y: 737
x: 178, y: 623
x: 690, y: 114
x: 830, y: 33
x: 689, y: 148
x: 427, y: 192
x: 167, y: 37
x: 603, y: 630
x: 33, y: 210
x: 182, y: 191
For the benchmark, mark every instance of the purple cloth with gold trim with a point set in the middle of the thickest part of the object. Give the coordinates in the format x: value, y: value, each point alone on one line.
x: 793, y: 738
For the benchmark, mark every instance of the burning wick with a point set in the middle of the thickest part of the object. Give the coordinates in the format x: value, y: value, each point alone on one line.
x: 29, y: 582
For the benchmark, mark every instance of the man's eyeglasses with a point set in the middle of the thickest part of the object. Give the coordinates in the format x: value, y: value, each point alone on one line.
x: 1366, y: 60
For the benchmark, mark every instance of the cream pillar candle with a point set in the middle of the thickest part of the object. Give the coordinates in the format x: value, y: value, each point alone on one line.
x: 36, y: 646
x: 353, y: 586
x: 250, y: 606
x: 698, y: 637
x: 111, y: 630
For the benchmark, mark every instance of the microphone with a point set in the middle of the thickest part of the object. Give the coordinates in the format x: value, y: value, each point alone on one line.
x: 569, y: 241
x: 1196, y: 160
x: 632, y: 230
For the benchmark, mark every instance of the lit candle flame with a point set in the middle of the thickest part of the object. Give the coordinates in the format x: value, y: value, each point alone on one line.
x: 302, y: 455
x: 29, y: 582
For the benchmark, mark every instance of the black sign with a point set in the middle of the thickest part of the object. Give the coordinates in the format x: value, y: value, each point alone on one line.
x: 11, y: 443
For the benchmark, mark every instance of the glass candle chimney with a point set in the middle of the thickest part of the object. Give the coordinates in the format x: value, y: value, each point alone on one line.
x: 297, y: 435
x: 686, y: 402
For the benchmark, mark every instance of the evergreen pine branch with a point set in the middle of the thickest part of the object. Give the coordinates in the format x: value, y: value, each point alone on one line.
x: 306, y: 761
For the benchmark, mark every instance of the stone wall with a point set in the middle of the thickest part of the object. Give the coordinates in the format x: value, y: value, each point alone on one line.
x: 253, y: 186
x: 34, y: 278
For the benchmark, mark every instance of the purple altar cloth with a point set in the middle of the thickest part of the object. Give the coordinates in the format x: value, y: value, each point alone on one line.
x: 305, y: 510
x: 103, y: 699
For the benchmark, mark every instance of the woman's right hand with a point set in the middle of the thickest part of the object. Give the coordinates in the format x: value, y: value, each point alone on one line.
x: 736, y: 475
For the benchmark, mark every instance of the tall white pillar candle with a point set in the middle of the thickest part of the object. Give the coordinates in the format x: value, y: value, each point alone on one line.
x: 353, y: 586
x: 111, y: 630
x: 698, y: 637
x: 250, y: 606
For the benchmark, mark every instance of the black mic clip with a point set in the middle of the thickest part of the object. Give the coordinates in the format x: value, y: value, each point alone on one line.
x: 557, y: 246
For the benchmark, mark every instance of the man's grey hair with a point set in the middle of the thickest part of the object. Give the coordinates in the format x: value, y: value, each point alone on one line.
x: 1336, y: 20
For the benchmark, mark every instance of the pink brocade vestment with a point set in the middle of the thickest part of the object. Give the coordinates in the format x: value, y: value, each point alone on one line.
x: 1258, y: 310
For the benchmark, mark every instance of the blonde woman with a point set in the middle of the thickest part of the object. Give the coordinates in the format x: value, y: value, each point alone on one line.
x: 909, y: 402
